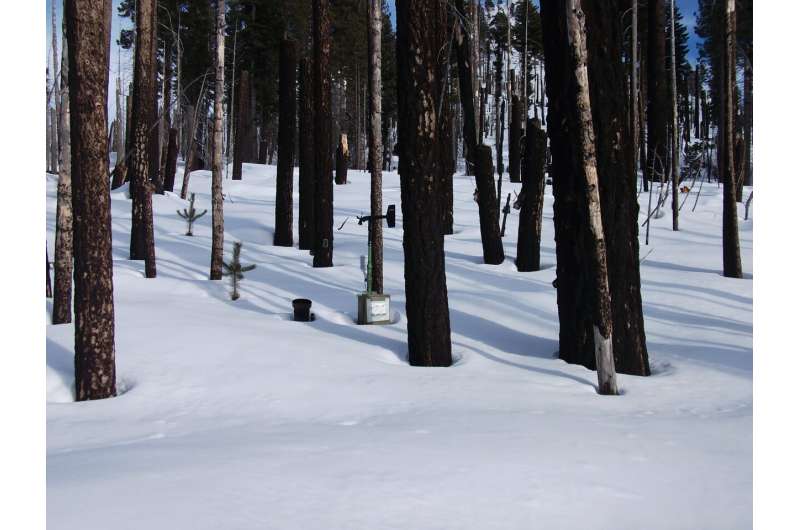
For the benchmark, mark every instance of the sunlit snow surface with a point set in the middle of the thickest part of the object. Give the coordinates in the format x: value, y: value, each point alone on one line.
x: 232, y: 416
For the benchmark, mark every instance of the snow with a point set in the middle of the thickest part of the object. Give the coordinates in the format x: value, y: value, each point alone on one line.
x: 231, y: 415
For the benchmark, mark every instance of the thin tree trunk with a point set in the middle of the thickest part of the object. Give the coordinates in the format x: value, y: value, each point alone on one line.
x: 514, y: 134
x: 286, y: 130
x: 57, y: 137
x: 143, y: 129
x: 166, y: 125
x: 62, y: 266
x: 374, y: 18
x: 49, y: 286
x: 531, y: 199
x: 657, y: 104
x: 240, y: 136
x: 306, y: 157
x: 676, y: 167
x: 323, y: 205
x: 342, y: 158
x: 172, y: 160
x: 89, y: 23
x: 420, y: 37
x: 217, y: 220
x: 732, y: 261
x: 635, y: 85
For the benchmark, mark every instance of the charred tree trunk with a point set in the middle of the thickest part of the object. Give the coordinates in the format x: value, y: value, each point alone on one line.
x: 342, y: 159
x: 144, y: 132
x: 323, y: 204
x: 172, y: 160
x: 217, y: 219
x: 89, y: 23
x: 618, y: 194
x: 375, y: 144
x: 286, y: 127
x: 514, y: 134
x: 62, y: 266
x: 488, y: 210
x: 242, y: 116
x: 419, y: 41
x: 49, y: 286
x: 635, y: 85
x: 305, y: 224
x: 447, y: 163
x: 531, y: 199
x: 570, y: 111
x: 675, y: 143
x: 732, y: 261
x: 166, y: 125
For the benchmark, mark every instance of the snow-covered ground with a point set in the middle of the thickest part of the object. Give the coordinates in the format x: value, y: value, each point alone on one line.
x: 233, y: 416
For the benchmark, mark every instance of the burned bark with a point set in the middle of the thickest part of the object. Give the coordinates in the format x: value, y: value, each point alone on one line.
x: 89, y: 23
x: 323, y: 204
x: 286, y: 129
x: 731, y: 257
x: 531, y: 198
x: 419, y: 39
x: 241, y: 119
x: 305, y: 222
x: 171, y: 165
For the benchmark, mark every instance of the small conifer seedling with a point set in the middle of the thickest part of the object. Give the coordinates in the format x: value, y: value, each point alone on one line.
x: 235, y: 270
x: 191, y: 214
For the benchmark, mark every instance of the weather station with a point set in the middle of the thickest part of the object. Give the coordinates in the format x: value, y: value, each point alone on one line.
x: 373, y: 308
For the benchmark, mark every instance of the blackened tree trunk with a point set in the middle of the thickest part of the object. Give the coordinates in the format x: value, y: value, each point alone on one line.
x: 675, y: 141
x: 305, y: 223
x: 731, y: 258
x: 62, y: 266
x: 172, y: 160
x: 342, y: 160
x: 419, y: 41
x: 447, y: 164
x: 144, y: 129
x: 375, y: 22
x: 217, y: 219
x: 323, y: 204
x: 287, y: 99
x: 657, y: 100
x: 531, y: 198
x: 166, y: 125
x: 634, y: 63
x: 514, y: 134
x: 241, y: 118
x: 88, y: 39
x: 698, y: 73
x: 572, y: 132
x: 488, y: 211
x: 618, y: 194
x: 49, y: 291
x: 493, y: 253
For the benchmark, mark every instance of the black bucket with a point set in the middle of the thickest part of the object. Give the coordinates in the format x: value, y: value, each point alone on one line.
x: 302, y: 309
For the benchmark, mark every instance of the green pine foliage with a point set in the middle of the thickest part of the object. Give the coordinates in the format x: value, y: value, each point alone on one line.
x: 236, y: 270
x: 191, y: 215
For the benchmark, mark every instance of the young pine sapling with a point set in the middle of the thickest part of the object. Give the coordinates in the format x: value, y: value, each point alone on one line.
x: 191, y: 214
x: 235, y: 270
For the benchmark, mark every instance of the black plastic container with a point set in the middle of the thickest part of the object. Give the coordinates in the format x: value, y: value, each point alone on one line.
x: 302, y: 309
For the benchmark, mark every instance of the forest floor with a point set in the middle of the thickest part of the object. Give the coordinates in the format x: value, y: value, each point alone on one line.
x: 232, y: 416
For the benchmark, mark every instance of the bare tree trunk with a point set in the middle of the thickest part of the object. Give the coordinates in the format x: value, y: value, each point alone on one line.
x: 657, y: 104
x: 420, y: 37
x: 676, y: 166
x: 89, y: 23
x: 57, y: 137
x: 143, y: 129
x: 217, y: 220
x: 323, y: 205
x: 166, y: 124
x: 732, y: 261
x: 240, y: 136
x: 635, y: 85
x: 49, y: 286
x: 531, y: 199
x: 306, y: 157
x: 514, y: 134
x: 374, y: 18
x: 342, y: 158
x: 172, y: 160
x: 286, y: 130
x: 62, y: 266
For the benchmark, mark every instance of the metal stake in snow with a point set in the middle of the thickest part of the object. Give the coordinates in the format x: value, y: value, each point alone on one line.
x: 373, y: 308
